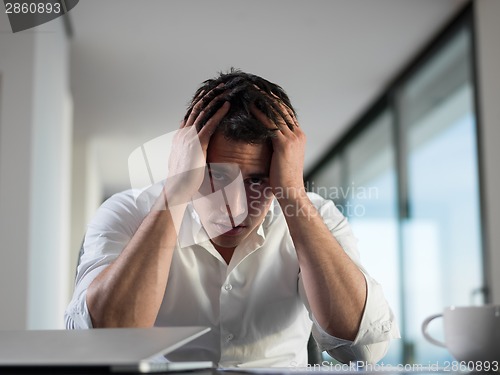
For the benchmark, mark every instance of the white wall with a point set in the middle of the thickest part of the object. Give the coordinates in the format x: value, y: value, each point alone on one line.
x: 17, y: 71
x: 51, y: 173
x: 488, y: 50
x: 86, y: 197
x: 35, y: 155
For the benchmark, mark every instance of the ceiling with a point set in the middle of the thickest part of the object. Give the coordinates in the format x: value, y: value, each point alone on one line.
x: 136, y: 64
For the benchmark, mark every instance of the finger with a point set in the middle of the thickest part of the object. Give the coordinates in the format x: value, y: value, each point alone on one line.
x: 266, y: 121
x: 211, y: 125
x: 285, y: 112
x: 195, y: 100
x: 288, y: 117
x: 198, y: 96
x: 281, y: 110
x: 195, y: 111
x: 209, y: 110
x: 200, y: 101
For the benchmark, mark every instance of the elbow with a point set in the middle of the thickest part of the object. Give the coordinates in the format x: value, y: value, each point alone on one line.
x: 109, y: 314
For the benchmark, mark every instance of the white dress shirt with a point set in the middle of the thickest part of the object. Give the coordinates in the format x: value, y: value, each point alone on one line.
x: 255, y: 306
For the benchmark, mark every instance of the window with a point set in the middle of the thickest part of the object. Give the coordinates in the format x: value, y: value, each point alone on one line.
x: 441, y: 232
x: 371, y: 174
x: 407, y: 173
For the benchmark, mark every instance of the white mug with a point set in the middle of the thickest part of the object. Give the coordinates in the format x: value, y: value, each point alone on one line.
x: 471, y: 333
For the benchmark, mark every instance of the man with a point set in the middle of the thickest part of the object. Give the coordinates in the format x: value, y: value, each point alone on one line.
x: 231, y: 240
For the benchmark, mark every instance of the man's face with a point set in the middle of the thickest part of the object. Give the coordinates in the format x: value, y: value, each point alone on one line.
x: 242, y: 201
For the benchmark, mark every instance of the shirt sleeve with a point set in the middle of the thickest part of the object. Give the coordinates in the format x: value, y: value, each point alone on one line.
x: 107, y: 235
x: 378, y: 325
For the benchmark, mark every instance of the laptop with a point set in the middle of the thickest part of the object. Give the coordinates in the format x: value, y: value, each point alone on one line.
x: 138, y: 350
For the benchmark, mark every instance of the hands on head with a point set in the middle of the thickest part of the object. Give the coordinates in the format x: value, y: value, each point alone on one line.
x: 244, y: 108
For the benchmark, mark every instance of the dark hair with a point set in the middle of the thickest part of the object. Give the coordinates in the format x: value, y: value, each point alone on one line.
x: 241, y: 90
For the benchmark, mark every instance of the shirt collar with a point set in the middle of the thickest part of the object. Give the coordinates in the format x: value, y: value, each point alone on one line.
x: 192, y: 231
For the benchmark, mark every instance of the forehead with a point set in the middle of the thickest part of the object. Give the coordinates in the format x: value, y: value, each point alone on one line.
x: 251, y: 158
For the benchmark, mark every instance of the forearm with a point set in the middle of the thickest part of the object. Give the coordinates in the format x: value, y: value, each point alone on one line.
x: 334, y: 285
x: 129, y: 292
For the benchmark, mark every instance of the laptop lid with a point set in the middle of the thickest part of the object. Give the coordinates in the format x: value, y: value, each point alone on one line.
x: 119, y: 349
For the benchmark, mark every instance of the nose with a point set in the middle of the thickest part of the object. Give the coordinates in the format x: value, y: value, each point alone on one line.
x: 236, y: 202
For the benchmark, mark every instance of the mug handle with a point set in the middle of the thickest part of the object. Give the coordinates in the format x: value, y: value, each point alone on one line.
x: 429, y: 338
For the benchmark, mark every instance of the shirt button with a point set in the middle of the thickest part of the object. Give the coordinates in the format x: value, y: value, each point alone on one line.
x: 228, y: 287
x: 229, y: 337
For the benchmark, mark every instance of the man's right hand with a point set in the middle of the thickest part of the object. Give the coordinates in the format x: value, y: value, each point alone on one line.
x: 187, y: 160
x: 129, y: 292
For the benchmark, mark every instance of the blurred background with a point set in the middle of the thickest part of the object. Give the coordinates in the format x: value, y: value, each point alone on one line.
x: 398, y: 99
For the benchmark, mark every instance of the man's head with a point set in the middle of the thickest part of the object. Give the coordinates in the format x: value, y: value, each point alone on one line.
x: 231, y: 211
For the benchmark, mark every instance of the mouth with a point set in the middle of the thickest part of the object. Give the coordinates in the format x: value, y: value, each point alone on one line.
x: 229, y: 230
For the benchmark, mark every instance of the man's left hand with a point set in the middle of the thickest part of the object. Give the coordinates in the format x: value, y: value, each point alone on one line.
x: 287, y: 164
